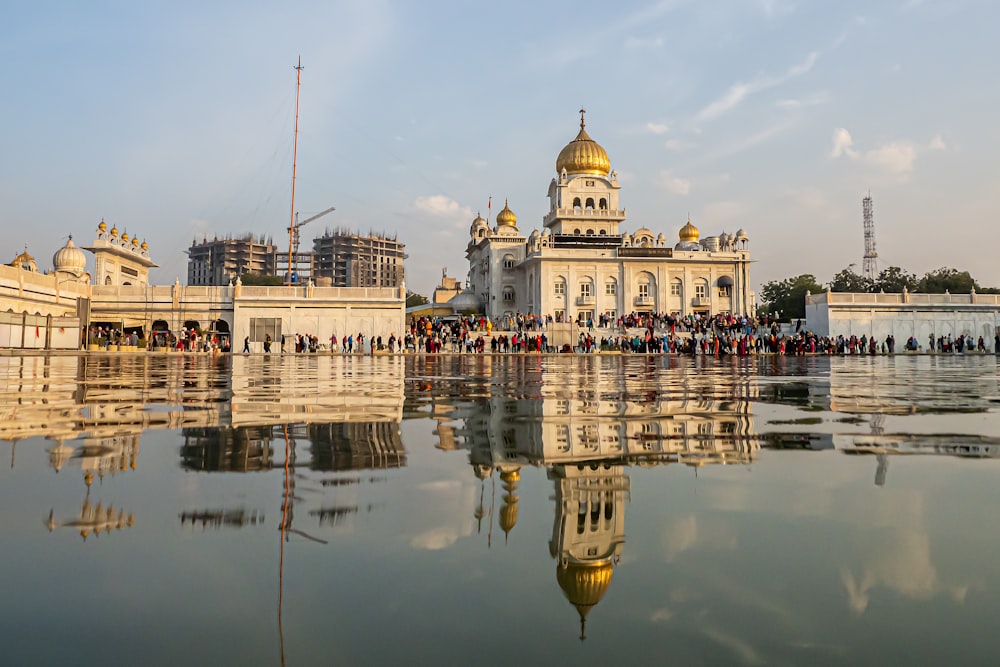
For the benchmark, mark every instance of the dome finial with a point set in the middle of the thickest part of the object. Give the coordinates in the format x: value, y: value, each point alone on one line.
x: 583, y: 123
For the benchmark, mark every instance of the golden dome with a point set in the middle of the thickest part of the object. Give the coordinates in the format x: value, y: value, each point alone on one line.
x: 114, y: 231
x: 506, y: 217
x: 22, y: 259
x: 135, y: 240
x: 125, y: 237
x: 689, y: 233
x: 584, y: 585
x: 103, y: 226
x: 583, y: 155
x: 144, y: 246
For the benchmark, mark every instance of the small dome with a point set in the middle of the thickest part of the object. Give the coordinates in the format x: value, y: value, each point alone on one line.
x: 135, y: 241
x: 144, y: 246
x: 741, y: 235
x: 583, y: 155
x: 689, y: 233
x: 464, y: 302
x: 69, y: 258
x: 506, y: 217
x: 25, y: 261
x: 114, y: 231
x: 102, y: 226
x: 478, y: 224
x: 125, y: 237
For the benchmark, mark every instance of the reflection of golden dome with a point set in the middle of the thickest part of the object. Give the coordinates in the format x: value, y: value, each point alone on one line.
x: 511, y: 476
x: 508, y: 513
x: 689, y: 233
x: 584, y: 585
x: 103, y: 226
x: 583, y: 155
x: 506, y: 217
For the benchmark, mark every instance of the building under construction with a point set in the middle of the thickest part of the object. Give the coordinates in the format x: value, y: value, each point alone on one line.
x: 352, y: 260
x: 219, y: 261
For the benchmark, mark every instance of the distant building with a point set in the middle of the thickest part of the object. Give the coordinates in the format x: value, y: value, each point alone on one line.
x: 218, y: 261
x: 353, y: 260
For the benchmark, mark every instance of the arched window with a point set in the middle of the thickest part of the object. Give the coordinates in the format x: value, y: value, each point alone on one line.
x: 611, y: 287
x: 576, y: 203
x: 508, y: 294
x: 604, y: 232
x: 559, y: 286
x: 676, y: 287
x: 482, y: 233
x: 590, y: 232
x: 590, y: 203
x: 576, y: 231
x: 603, y: 204
x: 701, y: 289
x: 107, y: 280
x: 508, y: 261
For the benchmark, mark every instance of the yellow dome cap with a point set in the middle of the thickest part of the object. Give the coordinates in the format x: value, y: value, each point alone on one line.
x: 144, y: 246
x: 114, y: 231
x: 689, y: 233
x: 583, y: 155
x: 506, y: 217
x: 102, y: 226
x: 125, y: 237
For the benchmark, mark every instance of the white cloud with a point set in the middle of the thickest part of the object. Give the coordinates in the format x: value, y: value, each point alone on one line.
x: 740, y: 91
x: 673, y: 184
x: 894, y: 157
x: 442, y: 206
x: 657, y: 128
x: 842, y: 143
x: 675, y: 145
x: 816, y: 99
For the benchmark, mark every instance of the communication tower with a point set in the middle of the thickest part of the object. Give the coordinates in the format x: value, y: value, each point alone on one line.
x: 870, y: 266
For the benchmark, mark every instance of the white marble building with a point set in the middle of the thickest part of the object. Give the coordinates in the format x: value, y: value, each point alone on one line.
x: 581, y: 264
x: 903, y: 315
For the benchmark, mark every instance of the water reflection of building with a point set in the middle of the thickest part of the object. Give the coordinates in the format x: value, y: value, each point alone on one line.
x: 585, y: 432
x: 93, y: 520
x: 332, y: 447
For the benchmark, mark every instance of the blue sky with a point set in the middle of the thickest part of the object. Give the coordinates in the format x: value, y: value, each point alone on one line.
x: 174, y: 120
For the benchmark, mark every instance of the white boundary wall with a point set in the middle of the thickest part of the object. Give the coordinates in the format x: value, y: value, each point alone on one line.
x: 904, y: 314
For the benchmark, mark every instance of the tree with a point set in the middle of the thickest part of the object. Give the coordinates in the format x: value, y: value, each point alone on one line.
x: 788, y: 297
x: 255, y: 279
x: 947, y: 279
x: 894, y: 279
x: 414, y: 299
x: 849, y: 281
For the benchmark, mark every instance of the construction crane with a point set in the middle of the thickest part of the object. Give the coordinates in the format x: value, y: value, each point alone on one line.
x: 294, y: 231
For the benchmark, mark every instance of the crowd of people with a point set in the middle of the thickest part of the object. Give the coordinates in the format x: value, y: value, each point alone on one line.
x: 694, y: 334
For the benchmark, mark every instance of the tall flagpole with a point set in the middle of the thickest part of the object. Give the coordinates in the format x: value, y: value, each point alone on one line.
x: 295, y: 156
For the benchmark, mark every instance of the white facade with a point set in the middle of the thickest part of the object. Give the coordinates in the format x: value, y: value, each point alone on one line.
x: 904, y: 315
x: 581, y: 264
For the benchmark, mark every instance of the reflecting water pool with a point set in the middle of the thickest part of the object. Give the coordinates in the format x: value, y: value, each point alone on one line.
x: 164, y: 509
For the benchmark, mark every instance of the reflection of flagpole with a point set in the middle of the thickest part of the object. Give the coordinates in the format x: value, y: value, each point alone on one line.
x: 283, y: 539
x: 493, y: 500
